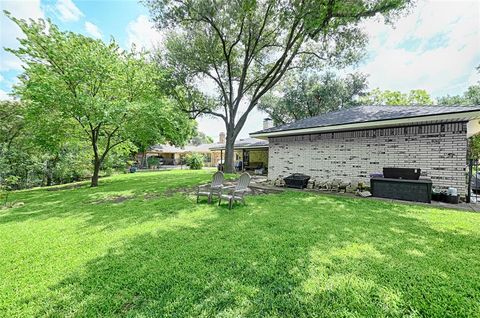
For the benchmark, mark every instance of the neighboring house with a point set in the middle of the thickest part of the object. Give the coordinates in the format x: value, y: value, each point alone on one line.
x: 351, y: 144
x: 251, y: 152
x: 171, y: 155
x: 168, y: 154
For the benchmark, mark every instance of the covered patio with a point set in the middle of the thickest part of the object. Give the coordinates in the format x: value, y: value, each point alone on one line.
x: 251, y: 154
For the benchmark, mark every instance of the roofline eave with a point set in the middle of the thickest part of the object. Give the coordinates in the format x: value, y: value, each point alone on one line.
x: 240, y: 148
x: 372, y: 124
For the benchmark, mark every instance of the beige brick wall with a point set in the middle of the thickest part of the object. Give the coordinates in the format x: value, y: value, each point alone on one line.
x: 440, y: 150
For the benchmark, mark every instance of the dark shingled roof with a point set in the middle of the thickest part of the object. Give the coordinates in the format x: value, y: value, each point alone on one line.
x: 244, y: 143
x: 363, y: 114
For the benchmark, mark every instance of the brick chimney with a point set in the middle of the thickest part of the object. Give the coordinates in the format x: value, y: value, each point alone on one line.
x: 267, y: 123
x: 221, y: 138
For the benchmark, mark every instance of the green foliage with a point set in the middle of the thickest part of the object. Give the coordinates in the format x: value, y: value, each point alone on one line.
x: 416, y: 97
x: 73, y: 165
x: 474, y: 147
x: 201, y: 138
x: 95, y: 92
x: 158, y: 125
x: 18, y: 157
x: 195, y: 161
x: 8, y: 184
x: 454, y: 100
x: 246, y: 47
x: 470, y: 97
x: 302, y: 95
x: 87, y: 253
x: 38, y: 147
x: 153, y: 161
x: 419, y: 97
x: 12, y: 119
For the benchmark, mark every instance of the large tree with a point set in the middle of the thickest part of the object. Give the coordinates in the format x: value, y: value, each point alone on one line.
x: 244, y: 47
x: 97, y: 89
x: 307, y: 95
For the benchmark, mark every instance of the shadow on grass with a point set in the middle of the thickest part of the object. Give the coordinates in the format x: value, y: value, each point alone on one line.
x: 286, y: 255
x: 114, y: 203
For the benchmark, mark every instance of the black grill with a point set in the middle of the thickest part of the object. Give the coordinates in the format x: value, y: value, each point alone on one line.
x: 297, y: 180
x: 401, y: 173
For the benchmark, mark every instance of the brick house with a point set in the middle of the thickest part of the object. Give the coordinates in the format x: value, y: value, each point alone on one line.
x: 351, y: 144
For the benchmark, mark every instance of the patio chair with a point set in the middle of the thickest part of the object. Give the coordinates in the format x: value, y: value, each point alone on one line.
x: 237, y: 192
x: 215, y: 187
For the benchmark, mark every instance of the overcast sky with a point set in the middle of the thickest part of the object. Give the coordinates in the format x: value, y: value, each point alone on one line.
x: 436, y: 47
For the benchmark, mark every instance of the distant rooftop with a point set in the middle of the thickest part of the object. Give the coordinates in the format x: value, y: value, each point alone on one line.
x: 364, y: 114
x: 202, y: 148
x: 244, y: 144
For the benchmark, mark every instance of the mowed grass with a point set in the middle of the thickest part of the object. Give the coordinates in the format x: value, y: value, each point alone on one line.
x: 137, y: 246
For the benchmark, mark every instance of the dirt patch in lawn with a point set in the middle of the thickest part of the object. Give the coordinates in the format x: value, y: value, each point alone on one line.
x: 66, y: 187
x: 182, y: 191
x: 170, y: 193
x: 113, y: 199
x: 254, y: 189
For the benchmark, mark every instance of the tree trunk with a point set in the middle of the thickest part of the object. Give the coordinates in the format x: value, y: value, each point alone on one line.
x: 49, y: 178
x: 229, y: 153
x: 51, y: 164
x: 144, y: 160
x: 96, y: 171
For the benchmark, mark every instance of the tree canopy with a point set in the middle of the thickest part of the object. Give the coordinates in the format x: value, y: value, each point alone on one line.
x: 244, y: 47
x: 12, y: 118
x: 93, y: 92
x: 470, y: 97
x: 201, y: 138
x: 303, y: 95
x: 397, y: 98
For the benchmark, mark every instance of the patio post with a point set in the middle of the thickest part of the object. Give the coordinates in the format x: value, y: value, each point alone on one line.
x: 244, y: 152
x: 469, y: 180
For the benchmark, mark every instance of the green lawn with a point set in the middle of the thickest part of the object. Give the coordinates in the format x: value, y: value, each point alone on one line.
x: 137, y: 246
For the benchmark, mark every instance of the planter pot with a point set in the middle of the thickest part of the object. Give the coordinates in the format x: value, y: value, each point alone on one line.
x: 453, y: 199
x: 436, y: 196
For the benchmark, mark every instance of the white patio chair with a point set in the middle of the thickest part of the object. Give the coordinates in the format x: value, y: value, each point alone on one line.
x: 213, y: 188
x: 237, y: 192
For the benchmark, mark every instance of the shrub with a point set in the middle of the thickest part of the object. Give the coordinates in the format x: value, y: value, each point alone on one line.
x: 153, y: 161
x: 8, y: 184
x: 195, y: 161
